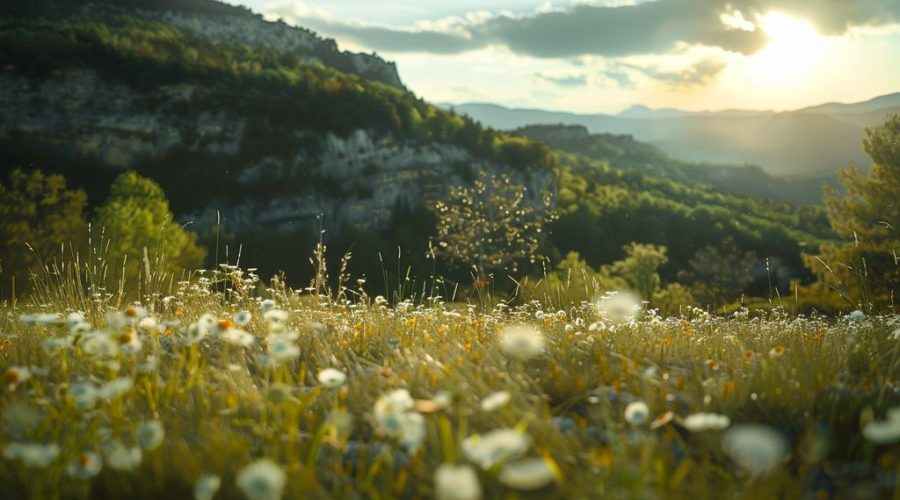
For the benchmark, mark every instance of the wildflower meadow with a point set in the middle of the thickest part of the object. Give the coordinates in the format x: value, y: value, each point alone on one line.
x: 219, y: 386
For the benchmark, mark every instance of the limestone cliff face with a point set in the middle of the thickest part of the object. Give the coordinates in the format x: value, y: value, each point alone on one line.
x: 359, y: 178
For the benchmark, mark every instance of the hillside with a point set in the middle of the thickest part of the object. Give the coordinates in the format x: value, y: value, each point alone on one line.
x: 252, y: 138
x: 813, y: 142
x: 623, y: 151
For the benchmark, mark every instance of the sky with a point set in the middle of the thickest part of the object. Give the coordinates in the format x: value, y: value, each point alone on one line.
x: 602, y: 56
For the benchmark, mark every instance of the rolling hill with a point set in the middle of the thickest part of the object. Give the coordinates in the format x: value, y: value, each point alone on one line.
x: 811, y: 142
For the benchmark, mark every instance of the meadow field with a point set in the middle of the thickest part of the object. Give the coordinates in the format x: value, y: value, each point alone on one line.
x: 221, y: 387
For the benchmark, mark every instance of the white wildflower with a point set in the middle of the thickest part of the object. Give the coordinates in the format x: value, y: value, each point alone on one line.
x: 83, y: 394
x: 130, y: 342
x: 115, y: 388
x: 85, y: 465
x: 34, y: 456
x: 412, y: 434
x: 456, y: 482
x: 242, y: 318
x: 884, y: 431
x: 495, y: 447
x: 150, y: 434
x: 262, y: 480
x: 332, y: 378
x: 195, y: 332
x: 495, y: 401
x: 282, y: 349
x: 206, y: 323
x: 56, y: 345
x: 755, y: 448
x: 100, y: 345
x: 206, y: 487
x: 40, y: 319
x: 120, y: 457
x: 528, y: 474
x: 397, y: 401
x: 637, y: 413
x: 275, y: 319
x: 149, y: 324
x: 620, y: 307
x: 14, y: 376
x: 74, y: 318
x: 236, y: 336
x: 522, y: 342
x: 699, y: 422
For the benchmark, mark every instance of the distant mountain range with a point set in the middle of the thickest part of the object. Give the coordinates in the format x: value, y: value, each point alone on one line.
x: 814, y: 141
x: 624, y: 152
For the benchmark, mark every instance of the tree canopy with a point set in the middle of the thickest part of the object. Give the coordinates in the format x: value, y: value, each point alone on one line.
x: 38, y: 214
x: 864, y: 268
x: 136, y: 218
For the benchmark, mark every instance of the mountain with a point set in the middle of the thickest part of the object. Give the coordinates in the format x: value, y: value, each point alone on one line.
x: 812, y: 142
x: 639, y: 111
x: 889, y: 101
x: 261, y: 133
x: 624, y: 152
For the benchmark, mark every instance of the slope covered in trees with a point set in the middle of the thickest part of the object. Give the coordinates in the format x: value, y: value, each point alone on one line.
x: 220, y: 125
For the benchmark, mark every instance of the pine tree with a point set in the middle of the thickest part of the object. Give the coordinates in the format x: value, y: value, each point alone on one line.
x: 865, y: 269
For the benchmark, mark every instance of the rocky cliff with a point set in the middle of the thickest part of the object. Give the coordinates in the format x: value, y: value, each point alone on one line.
x: 357, y: 178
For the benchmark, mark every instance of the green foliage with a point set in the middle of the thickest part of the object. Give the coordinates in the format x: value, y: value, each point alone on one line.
x: 572, y: 281
x: 136, y: 220
x: 864, y: 268
x: 279, y: 94
x: 673, y: 300
x: 718, y: 274
x: 602, y: 209
x: 38, y: 215
x: 639, y: 269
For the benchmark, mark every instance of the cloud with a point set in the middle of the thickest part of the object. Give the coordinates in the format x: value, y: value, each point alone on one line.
x: 605, y: 29
x: 698, y: 74
x: 564, y: 81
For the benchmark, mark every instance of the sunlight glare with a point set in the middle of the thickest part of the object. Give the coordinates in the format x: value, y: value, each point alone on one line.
x: 793, y: 49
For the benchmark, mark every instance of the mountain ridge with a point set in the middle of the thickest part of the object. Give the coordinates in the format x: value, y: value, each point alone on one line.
x: 813, y: 141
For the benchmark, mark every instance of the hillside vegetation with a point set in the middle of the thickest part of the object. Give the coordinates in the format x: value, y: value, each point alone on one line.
x: 250, y: 144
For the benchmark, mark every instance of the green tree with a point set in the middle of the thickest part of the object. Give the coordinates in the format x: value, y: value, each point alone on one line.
x: 867, y: 216
x: 673, y: 299
x: 718, y: 274
x: 572, y: 281
x: 640, y: 268
x: 491, y: 224
x: 37, y: 215
x: 136, y: 216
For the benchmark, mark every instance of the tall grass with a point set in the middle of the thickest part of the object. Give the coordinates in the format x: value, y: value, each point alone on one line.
x: 816, y: 382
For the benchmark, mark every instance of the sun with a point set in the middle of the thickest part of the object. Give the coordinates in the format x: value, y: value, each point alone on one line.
x: 794, y: 48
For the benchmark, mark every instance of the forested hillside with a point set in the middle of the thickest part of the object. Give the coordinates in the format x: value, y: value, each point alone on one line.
x: 250, y: 143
